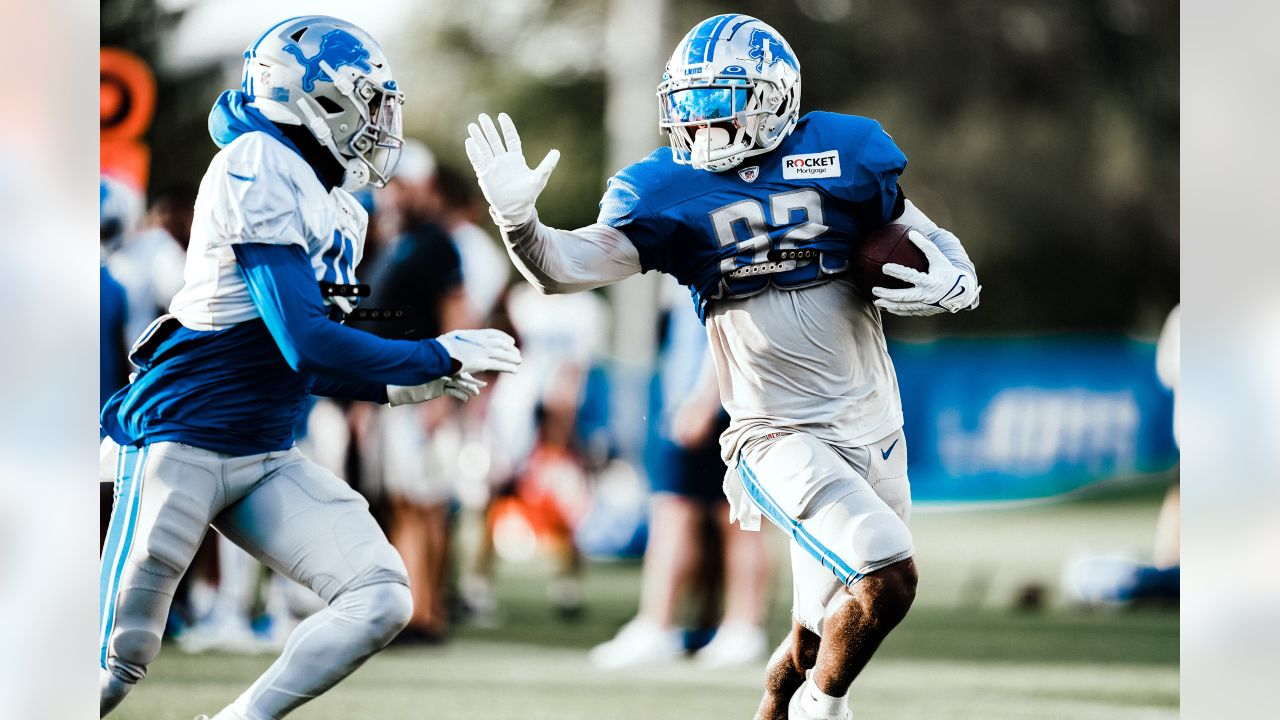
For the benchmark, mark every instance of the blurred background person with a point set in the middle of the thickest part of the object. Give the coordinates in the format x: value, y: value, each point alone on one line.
x: 414, y: 448
x: 168, y: 217
x: 113, y: 360
x: 1116, y: 579
x: 113, y: 366
x: 485, y: 268
x: 686, y: 474
x: 146, y: 259
x: 1168, y: 546
x: 535, y: 441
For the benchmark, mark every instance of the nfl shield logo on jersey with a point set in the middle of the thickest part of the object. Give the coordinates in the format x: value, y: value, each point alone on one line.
x: 749, y: 174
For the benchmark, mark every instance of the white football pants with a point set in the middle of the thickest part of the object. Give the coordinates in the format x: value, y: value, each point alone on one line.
x: 288, y: 512
x: 845, y: 509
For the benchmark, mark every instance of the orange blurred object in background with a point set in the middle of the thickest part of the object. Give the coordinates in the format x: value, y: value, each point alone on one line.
x: 127, y: 101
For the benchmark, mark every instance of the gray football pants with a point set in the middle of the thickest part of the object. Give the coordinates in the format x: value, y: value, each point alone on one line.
x: 288, y: 512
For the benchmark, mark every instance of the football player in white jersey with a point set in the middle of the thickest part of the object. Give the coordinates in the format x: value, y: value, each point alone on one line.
x: 205, y: 429
x: 757, y: 210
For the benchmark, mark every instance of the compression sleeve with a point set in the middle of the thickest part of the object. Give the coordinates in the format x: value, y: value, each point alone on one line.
x: 566, y: 261
x: 284, y: 290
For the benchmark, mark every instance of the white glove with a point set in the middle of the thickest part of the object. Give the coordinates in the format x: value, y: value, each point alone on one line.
x: 477, y: 351
x: 944, y: 288
x: 461, y: 386
x: 505, y: 178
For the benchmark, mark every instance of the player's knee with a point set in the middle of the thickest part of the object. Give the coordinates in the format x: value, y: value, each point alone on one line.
x: 804, y: 654
x: 787, y: 666
x: 388, y: 609
x: 880, y: 536
x: 895, y: 590
x: 132, y: 650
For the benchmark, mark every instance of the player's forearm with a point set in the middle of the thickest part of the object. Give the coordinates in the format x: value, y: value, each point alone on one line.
x: 566, y: 261
x: 283, y: 290
x: 369, y: 392
x: 946, y: 241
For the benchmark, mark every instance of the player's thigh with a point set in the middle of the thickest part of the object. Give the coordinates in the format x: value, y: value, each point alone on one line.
x: 884, y: 463
x: 166, y: 495
x: 306, y: 523
x: 789, y: 476
x: 840, y: 528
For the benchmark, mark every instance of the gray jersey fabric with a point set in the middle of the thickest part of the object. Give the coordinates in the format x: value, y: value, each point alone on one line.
x: 811, y: 360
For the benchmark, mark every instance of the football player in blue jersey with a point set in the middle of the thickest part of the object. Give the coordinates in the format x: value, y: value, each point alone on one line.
x: 205, y: 429
x: 757, y: 210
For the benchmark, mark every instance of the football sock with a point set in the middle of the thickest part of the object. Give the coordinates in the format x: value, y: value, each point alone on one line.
x: 816, y: 702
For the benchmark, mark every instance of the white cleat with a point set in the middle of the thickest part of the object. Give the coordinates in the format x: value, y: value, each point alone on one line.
x: 639, y: 642
x: 734, y: 644
x: 796, y: 712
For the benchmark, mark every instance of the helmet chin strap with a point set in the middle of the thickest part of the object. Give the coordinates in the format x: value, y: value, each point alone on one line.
x: 356, y: 176
x: 320, y: 129
x: 356, y: 173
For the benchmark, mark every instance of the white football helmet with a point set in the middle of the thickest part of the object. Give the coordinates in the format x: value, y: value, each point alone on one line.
x: 331, y: 77
x: 731, y: 90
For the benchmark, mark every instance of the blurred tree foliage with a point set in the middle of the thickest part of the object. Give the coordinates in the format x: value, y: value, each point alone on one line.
x: 1045, y: 134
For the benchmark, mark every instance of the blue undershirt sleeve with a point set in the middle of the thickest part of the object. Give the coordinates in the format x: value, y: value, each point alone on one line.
x: 369, y: 392
x: 284, y: 290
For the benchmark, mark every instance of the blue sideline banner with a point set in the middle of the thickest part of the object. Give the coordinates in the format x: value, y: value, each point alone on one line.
x: 1000, y: 419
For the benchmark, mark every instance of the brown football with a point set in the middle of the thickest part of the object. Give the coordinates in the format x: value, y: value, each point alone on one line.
x: 888, y: 244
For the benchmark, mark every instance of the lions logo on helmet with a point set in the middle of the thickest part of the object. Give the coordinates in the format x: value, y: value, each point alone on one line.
x: 766, y: 50
x: 356, y: 114
x: 717, y: 111
x: 337, y: 48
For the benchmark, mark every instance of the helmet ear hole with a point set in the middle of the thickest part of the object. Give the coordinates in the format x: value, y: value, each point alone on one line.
x: 329, y: 105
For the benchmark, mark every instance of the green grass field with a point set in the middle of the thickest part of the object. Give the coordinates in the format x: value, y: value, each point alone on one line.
x: 964, y: 652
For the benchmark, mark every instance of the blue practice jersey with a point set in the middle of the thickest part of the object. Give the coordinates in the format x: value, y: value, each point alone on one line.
x: 788, y: 219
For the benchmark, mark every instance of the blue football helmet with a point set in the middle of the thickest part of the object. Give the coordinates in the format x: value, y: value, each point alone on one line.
x: 333, y: 78
x: 731, y: 90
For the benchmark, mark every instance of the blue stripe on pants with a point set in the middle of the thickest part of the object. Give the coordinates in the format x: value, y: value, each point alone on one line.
x: 120, y: 534
x: 770, y: 508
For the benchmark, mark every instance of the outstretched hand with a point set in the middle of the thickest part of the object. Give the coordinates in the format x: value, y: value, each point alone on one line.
x: 506, y: 180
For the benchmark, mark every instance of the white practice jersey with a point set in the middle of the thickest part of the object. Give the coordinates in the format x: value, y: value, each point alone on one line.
x: 811, y: 360
x: 258, y: 190
x: 558, y: 335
